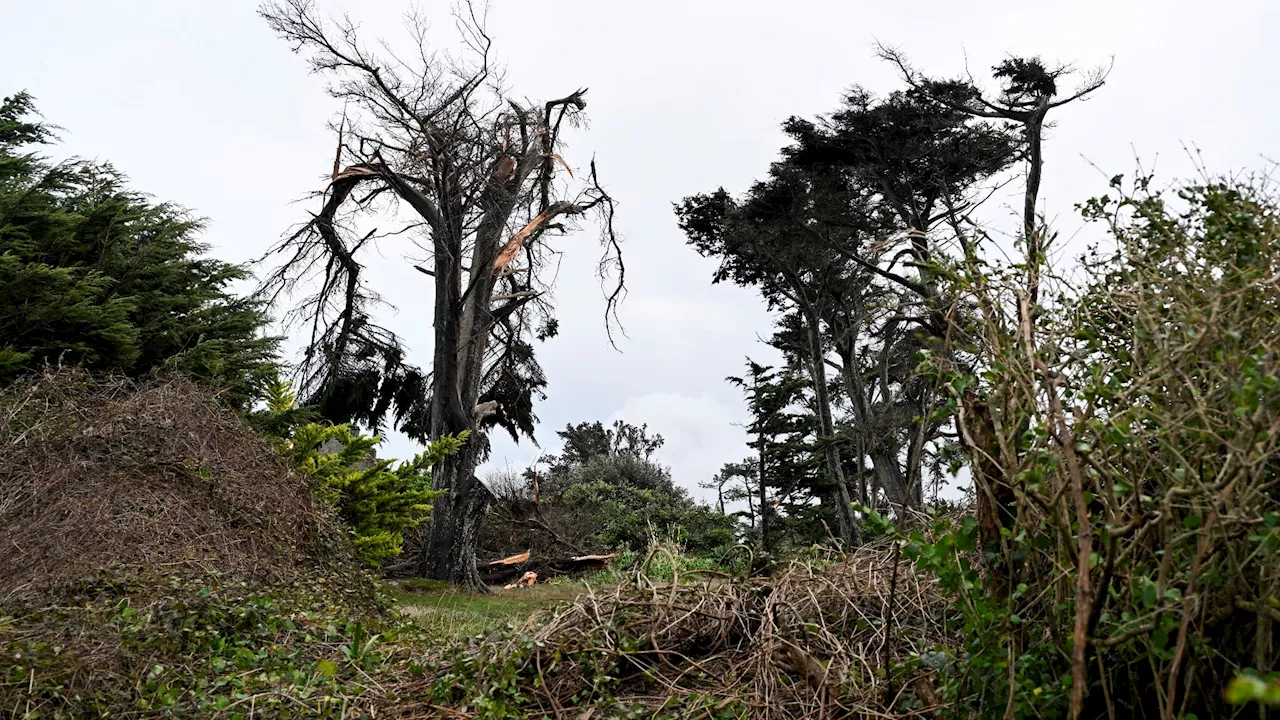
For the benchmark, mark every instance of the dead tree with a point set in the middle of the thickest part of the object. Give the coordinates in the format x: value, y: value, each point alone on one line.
x: 434, y: 146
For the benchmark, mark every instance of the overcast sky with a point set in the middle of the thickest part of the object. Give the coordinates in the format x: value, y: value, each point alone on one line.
x: 200, y: 105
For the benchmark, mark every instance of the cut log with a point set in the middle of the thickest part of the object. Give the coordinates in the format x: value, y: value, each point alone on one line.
x: 529, y: 578
x: 504, y: 570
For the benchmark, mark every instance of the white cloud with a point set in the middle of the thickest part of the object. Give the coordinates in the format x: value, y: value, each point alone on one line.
x: 701, y: 434
x: 202, y: 106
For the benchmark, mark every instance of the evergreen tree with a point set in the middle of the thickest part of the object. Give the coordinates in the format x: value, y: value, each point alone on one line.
x: 97, y: 275
x: 378, y: 499
x: 788, y: 465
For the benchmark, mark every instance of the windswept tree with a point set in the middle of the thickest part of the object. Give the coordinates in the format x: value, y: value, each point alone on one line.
x: 918, y: 166
x: 854, y: 230
x: 782, y: 441
x: 96, y: 275
x: 1029, y: 90
x: 760, y: 242
x: 432, y: 149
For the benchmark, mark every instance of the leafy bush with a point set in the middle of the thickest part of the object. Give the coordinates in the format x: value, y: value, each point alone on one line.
x: 603, y: 492
x: 378, y: 499
x: 630, y: 517
x: 1126, y: 455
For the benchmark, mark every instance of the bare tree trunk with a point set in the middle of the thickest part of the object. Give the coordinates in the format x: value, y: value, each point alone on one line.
x: 817, y: 369
x: 451, y: 553
x: 764, y: 503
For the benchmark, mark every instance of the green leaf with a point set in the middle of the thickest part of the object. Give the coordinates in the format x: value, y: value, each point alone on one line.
x: 1160, y: 639
x: 1149, y: 594
x: 1191, y: 522
x: 326, y: 668
x: 1244, y: 688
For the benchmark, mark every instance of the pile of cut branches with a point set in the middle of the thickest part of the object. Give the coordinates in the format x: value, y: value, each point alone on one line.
x: 812, y: 642
x: 161, y: 560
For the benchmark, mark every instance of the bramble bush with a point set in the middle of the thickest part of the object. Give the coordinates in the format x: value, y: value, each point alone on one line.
x: 1126, y: 458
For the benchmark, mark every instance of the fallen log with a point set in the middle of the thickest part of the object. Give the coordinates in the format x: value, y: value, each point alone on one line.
x: 505, y: 569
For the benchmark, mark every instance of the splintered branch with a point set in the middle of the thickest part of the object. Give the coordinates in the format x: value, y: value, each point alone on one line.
x: 438, y: 136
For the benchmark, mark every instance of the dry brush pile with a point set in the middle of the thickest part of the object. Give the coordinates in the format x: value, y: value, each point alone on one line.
x: 160, y: 558
x: 101, y: 473
x: 812, y: 642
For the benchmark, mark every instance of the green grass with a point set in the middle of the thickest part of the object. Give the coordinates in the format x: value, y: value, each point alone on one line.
x: 447, y: 613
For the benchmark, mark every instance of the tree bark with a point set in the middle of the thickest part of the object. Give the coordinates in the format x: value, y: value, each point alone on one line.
x: 885, y: 462
x: 817, y: 369
x: 451, y: 553
x: 764, y: 503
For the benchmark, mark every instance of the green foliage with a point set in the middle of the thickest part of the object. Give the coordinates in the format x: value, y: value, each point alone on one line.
x: 1250, y: 687
x: 207, y: 646
x: 974, y: 675
x: 785, y: 432
x: 1143, y: 470
x: 587, y: 440
x: 281, y: 413
x: 603, y: 492
x: 377, y: 498
x: 97, y: 275
x: 629, y: 517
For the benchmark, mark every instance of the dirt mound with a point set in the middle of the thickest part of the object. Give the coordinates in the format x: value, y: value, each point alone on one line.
x: 153, y: 477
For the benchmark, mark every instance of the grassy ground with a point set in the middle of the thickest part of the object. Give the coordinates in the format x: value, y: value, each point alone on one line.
x: 447, y: 613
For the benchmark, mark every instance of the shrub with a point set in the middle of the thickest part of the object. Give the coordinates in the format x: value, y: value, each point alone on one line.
x: 378, y: 499
x: 629, y: 517
x: 1126, y: 455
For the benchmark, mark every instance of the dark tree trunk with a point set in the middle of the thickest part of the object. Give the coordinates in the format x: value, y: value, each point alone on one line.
x: 817, y: 369
x: 451, y: 553
x: 885, y: 463
x: 764, y: 502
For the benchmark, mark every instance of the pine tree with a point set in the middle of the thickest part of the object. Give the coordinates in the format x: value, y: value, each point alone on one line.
x: 787, y: 471
x: 96, y: 275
